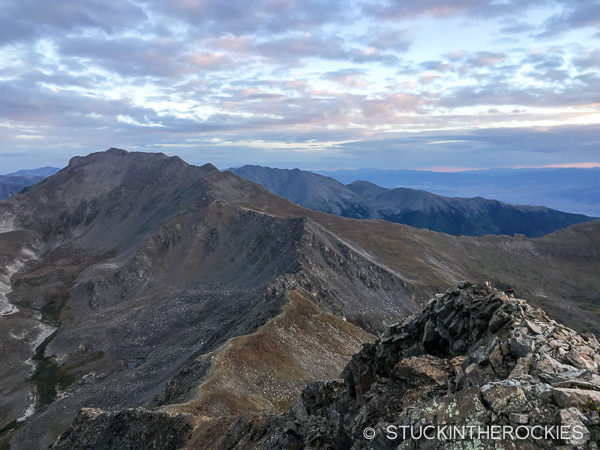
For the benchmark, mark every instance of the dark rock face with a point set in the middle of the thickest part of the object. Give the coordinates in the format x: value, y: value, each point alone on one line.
x: 472, y: 357
x: 134, y: 429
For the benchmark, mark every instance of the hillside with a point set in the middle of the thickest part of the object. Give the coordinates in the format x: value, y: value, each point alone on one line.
x: 14, y: 182
x: 136, y: 280
x: 417, y: 208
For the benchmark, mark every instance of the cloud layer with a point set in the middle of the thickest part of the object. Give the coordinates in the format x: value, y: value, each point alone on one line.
x: 311, y: 83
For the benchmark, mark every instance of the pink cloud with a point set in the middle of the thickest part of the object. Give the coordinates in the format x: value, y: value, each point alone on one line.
x: 208, y: 60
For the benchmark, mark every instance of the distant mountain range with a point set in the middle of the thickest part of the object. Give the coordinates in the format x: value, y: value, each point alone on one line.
x: 14, y: 182
x: 566, y: 189
x: 39, y: 172
x: 136, y: 280
x: 421, y: 209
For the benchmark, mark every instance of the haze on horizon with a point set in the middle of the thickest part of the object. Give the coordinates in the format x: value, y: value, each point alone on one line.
x: 311, y: 84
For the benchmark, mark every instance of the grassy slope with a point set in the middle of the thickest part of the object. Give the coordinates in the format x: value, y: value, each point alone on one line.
x: 266, y: 370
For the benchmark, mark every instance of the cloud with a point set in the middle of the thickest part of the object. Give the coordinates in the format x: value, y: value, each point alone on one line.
x: 483, y: 59
x: 588, y: 60
x: 26, y: 19
x: 34, y: 104
x: 389, y: 39
x: 295, y: 48
x: 163, y: 57
x: 183, y: 74
x: 572, y: 15
x: 238, y: 17
x: 437, y: 66
x: 407, y: 9
x: 577, y: 165
x: 507, y: 147
x: 348, y: 77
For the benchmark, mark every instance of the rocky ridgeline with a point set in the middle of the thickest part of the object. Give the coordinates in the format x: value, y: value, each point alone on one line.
x: 472, y: 357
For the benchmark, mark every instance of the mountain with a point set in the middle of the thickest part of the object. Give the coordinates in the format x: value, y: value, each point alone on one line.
x: 310, y: 190
x: 10, y: 185
x: 472, y: 358
x: 141, y: 288
x: 566, y: 189
x: 45, y: 171
x: 15, y: 182
x: 131, y: 279
x: 363, y: 200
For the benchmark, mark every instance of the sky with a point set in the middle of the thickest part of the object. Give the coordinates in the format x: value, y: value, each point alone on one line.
x: 315, y: 84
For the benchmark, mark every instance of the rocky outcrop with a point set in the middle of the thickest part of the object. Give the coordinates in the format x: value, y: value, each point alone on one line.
x: 472, y: 357
x: 132, y: 429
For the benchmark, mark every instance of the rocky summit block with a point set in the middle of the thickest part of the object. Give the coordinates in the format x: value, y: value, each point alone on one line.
x: 472, y: 357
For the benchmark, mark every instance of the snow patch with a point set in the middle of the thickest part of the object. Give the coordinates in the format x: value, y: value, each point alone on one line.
x: 7, y: 308
x: 7, y: 223
x: 30, y: 411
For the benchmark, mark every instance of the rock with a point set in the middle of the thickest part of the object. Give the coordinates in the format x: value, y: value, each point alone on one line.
x: 571, y: 419
x: 475, y: 375
x: 583, y: 358
x: 522, y: 367
x: 132, y: 429
x: 521, y: 346
x: 422, y: 370
x: 518, y: 419
x: 496, y: 360
x: 535, y: 328
x: 577, y: 384
x: 504, y: 397
x: 471, y: 357
x: 585, y: 399
x: 463, y: 407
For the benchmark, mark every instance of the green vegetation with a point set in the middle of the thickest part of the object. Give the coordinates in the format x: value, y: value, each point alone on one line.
x: 10, y: 426
x: 48, y: 375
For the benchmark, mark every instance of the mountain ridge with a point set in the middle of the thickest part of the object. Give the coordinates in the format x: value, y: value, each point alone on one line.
x: 472, y: 357
x: 364, y: 200
x: 129, y: 270
x: 107, y: 250
x: 572, y: 190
